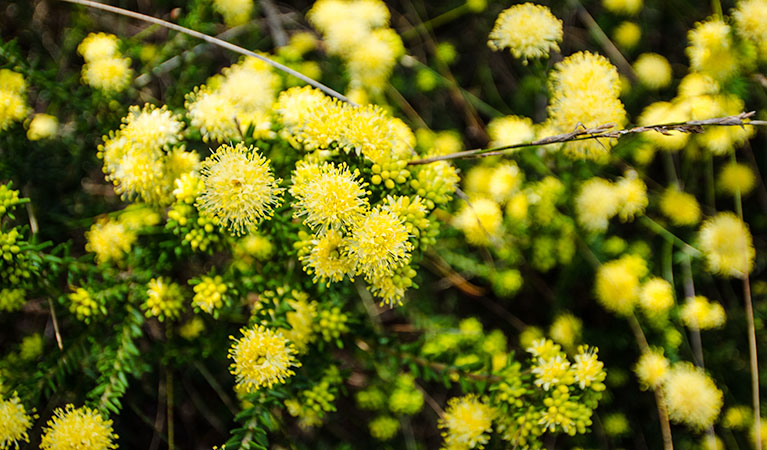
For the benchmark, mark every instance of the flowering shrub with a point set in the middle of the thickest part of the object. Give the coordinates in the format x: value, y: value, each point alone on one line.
x: 204, y: 246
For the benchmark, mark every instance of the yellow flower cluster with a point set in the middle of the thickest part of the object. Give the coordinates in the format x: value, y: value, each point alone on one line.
x: 510, y: 130
x: 239, y: 188
x: 656, y: 297
x: 78, y: 428
x: 651, y: 369
x: 14, y: 424
x: 235, y: 12
x: 629, y: 7
x: 711, y: 49
x: 13, y: 102
x: 527, y: 30
x: 682, y: 208
x: 599, y: 200
x: 585, y: 89
x: 698, y: 313
x: 751, y: 20
x: 165, y: 300
x: 84, y: 306
x: 691, y: 396
x: 358, y: 32
x: 617, y: 284
x: 653, y: 70
x: 467, y: 422
x: 110, y: 240
x: 727, y: 245
x: 209, y: 294
x: 140, y: 159
x: 42, y: 126
x: 736, y: 179
x: 105, y: 69
x: 234, y: 101
x: 261, y: 358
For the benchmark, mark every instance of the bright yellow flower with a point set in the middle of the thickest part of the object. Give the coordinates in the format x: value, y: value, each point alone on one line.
x: 261, y: 358
x: 378, y: 244
x: 627, y: 35
x: 736, y: 179
x: 653, y: 70
x: 617, y: 283
x: 691, y: 396
x: 98, y: 46
x: 651, y: 369
x: 14, y: 424
x: 698, y: 313
x: 510, y: 130
x: 109, y: 240
x: 327, y: 259
x: 467, y: 422
x: 680, y: 207
x: 711, y: 49
x: 111, y: 74
x: 527, y: 30
x: 656, y: 297
x: 629, y: 7
x: 78, y: 428
x: 235, y: 12
x: 751, y: 20
x: 42, y: 126
x: 164, y: 299
x: 727, y: 245
x: 596, y: 202
x: 480, y: 219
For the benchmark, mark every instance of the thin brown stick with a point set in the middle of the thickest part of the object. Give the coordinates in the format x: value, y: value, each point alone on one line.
x: 214, y: 41
x: 753, y: 362
x: 601, y: 132
x: 55, y: 325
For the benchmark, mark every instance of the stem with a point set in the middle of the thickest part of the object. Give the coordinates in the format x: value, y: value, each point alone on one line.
x: 434, y: 22
x: 670, y: 237
x: 169, y: 403
x: 55, y: 325
x: 214, y: 41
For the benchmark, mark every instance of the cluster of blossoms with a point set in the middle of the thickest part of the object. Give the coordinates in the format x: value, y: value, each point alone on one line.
x: 17, y: 257
x: 399, y: 397
x: 13, y: 102
x: 527, y: 30
x: 311, y: 405
x: 358, y: 32
x: 599, y: 200
x: 105, y: 68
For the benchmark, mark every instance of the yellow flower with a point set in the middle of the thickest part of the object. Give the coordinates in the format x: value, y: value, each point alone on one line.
x: 588, y: 370
x: 737, y: 179
x: 691, y: 397
x: 680, y: 207
x: 327, y: 258
x: 330, y: 196
x: 235, y: 12
x: 12, y: 81
x: 653, y: 70
x: 698, y: 313
x: 151, y: 126
x: 467, y: 422
x: 596, y: 203
x: 15, y: 423
x: 261, y: 358
x: 213, y: 114
x: 111, y: 74
x: 301, y: 321
x: 566, y: 330
x: 660, y: 113
x: 98, y: 46
x: 378, y: 244
x: 656, y: 297
x: 651, y: 369
x: 109, y: 240
x: 510, y: 130
x: 78, y: 428
x: 629, y: 7
x: 585, y: 89
x: 240, y: 189
x: 711, y: 49
x: 13, y: 108
x: 553, y: 371
x: 617, y: 283
x: 527, y: 30
x: 737, y: 417
x: 83, y: 305
x: 164, y: 299
x: 480, y: 219
x: 42, y: 126
x: 727, y: 245
x: 751, y: 20
x: 627, y: 35
x: 632, y: 196
x: 209, y: 293
x: 505, y: 181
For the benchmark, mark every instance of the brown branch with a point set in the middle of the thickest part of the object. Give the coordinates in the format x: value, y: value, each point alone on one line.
x: 602, y: 132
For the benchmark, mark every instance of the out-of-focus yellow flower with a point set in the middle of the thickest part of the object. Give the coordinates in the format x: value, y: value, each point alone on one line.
x: 653, y: 70
x: 727, y: 245
x: 527, y: 30
x: 42, y: 126
x: 691, y: 396
x: 736, y: 179
x: 627, y: 35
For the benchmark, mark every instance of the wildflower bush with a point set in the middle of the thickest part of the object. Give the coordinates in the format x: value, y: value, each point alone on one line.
x: 366, y: 224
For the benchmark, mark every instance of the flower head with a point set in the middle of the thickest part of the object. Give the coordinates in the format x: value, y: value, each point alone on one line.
x: 711, y: 49
x: 617, y: 283
x: 629, y: 7
x: 110, y: 240
x: 78, y: 428
x: 16, y: 421
x: 235, y: 12
x: 42, y: 126
x: 527, y: 30
x: 587, y: 369
x: 691, y: 396
x: 480, y: 219
x: 651, y: 368
x: 682, y: 208
x: 699, y: 313
x: 164, y: 299
x: 209, y: 293
x: 736, y: 179
x: 327, y: 258
x: 13, y: 108
x: 596, y: 203
x: 261, y: 358
x: 98, y: 46
x: 656, y: 297
x: 330, y: 196
x: 240, y: 189
x: 653, y: 70
x: 727, y: 245
x: 751, y: 20
x: 466, y: 422
x: 379, y: 243
x: 111, y: 74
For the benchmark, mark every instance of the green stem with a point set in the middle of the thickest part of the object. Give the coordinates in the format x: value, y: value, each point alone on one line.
x: 435, y: 22
x: 661, y: 230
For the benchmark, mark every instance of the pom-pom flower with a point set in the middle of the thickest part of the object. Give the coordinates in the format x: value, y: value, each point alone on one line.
x: 736, y: 179
x: 164, y: 299
x: 111, y: 74
x: 651, y: 368
x: 627, y: 34
x: 98, y: 46
x: 617, y: 283
x: 656, y: 297
x: 629, y: 7
x: 680, y: 207
x: 653, y: 70
x: 378, y: 244
x: 261, y: 358
x: 467, y: 422
x: 711, y: 49
x: 326, y: 258
x: 42, y: 126
x: 751, y: 20
x: 596, y: 202
x: 109, y: 240
x: 14, y: 424
x: 510, y: 130
x: 727, y: 245
x: 480, y: 219
x: 240, y: 189
x: 78, y: 428
x: 698, y: 313
x: 235, y: 12
x: 527, y: 30
x: 330, y: 196
x: 691, y: 397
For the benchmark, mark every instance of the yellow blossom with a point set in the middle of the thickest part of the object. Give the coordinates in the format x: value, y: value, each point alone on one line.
x: 727, y: 245
x: 467, y: 422
x: 505, y: 180
x: 691, y: 396
x: 164, y: 299
x: 651, y: 368
x: 665, y: 112
x: 617, y: 283
x: 596, y: 202
x: 587, y: 370
x: 109, y: 240
x: 629, y: 7
x: 42, y: 126
x: 378, y: 243
x: 78, y: 428
x: 553, y: 371
x: 240, y: 189
x: 680, y: 207
x: 111, y: 74
x: 480, y: 219
x: 698, y: 313
x: 632, y: 196
x: 527, y: 30
x: 327, y: 258
x: 235, y: 12
x: 627, y: 34
x: 261, y: 358
x: 510, y: 130
x: 83, y: 305
x: 653, y: 70
x: 566, y: 330
x: 98, y: 46
x: 14, y: 424
x: 13, y: 108
x: 12, y: 81
x: 209, y: 293
x: 656, y: 297
x: 751, y: 20
x: 711, y: 49
x: 213, y: 114
x: 736, y: 179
